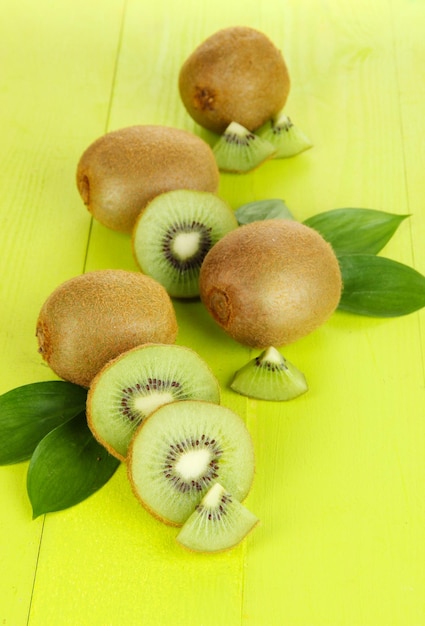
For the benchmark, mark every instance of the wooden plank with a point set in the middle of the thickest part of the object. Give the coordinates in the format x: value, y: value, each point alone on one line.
x: 339, y: 470
x: 56, y: 78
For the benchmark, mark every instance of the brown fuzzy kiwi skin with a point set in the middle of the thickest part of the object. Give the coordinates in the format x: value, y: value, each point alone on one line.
x: 236, y: 75
x: 120, y: 172
x: 271, y: 282
x: 92, y: 318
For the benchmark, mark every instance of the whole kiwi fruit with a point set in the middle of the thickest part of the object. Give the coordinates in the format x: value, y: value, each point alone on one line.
x: 120, y: 172
x: 271, y: 282
x: 94, y: 317
x: 236, y: 75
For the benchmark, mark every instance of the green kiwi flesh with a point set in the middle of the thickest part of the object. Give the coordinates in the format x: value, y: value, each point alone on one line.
x: 287, y: 138
x: 136, y: 383
x: 93, y: 317
x: 271, y: 282
x: 218, y: 523
x: 181, y: 449
x: 269, y: 377
x: 175, y: 232
x: 239, y: 150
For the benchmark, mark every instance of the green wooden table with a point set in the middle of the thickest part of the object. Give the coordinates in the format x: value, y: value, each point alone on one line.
x: 340, y: 473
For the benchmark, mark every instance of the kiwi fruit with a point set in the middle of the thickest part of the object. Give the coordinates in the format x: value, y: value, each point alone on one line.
x: 270, y: 282
x: 94, y: 317
x: 137, y: 382
x: 174, y: 233
x: 239, y: 150
x: 181, y: 450
x: 269, y: 376
x: 218, y: 523
x: 287, y: 138
x: 237, y: 74
x: 120, y: 172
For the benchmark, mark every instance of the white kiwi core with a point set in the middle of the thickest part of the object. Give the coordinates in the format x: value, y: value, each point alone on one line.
x: 193, y: 464
x: 272, y: 356
x: 186, y: 245
x: 213, y: 496
x: 148, y: 404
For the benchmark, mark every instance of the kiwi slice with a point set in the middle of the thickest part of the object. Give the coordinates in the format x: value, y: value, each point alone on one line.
x: 136, y: 383
x: 175, y: 232
x: 218, y: 523
x: 239, y: 150
x: 181, y: 450
x: 287, y: 138
x: 269, y: 377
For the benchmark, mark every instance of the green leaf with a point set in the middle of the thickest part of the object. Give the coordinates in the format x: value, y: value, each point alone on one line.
x: 29, y: 412
x: 67, y: 466
x: 379, y: 287
x: 356, y: 230
x: 262, y: 210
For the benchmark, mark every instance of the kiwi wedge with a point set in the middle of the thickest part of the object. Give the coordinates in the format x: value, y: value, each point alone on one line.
x: 269, y: 377
x: 120, y: 172
x: 239, y: 150
x: 218, y: 523
x: 139, y: 381
x: 270, y: 282
x: 287, y: 138
x: 235, y: 74
x: 181, y: 450
x: 93, y: 317
x: 174, y: 233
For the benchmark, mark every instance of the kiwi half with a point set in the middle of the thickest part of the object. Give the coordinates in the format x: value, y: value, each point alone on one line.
x: 92, y: 318
x: 270, y: 282
x: 136, y: 383
x: 120, y: 172
x: 175, y: 232
x: 239, y: 150
x: 269, y: 377
x: 181, y: 449
x: 287, y: 138
x: 218, y: 523
x: 237, y: 74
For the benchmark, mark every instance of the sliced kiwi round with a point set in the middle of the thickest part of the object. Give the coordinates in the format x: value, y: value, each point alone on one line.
x: 175, y: 232
x: 218, y: 523
x: 181, y: 449
x: 287, y: 138
x: 239, y: 150
x: 136, y: 383
x: 269, y: 377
